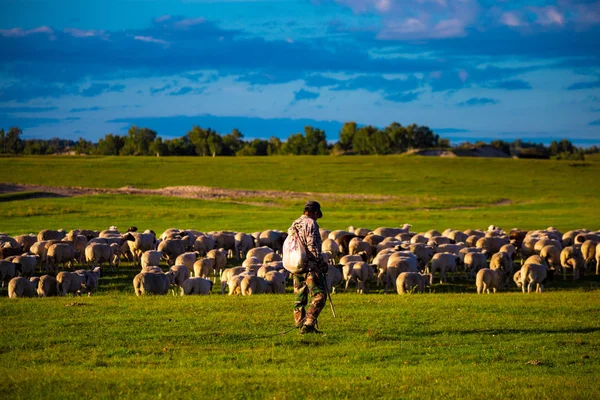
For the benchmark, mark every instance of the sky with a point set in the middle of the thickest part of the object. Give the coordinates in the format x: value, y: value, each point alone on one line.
x: 470, y: 70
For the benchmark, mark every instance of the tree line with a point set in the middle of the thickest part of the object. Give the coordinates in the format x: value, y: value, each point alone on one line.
x: 353, y: 139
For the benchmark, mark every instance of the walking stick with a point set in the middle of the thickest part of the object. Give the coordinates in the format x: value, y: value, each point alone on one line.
x: 328, y: 294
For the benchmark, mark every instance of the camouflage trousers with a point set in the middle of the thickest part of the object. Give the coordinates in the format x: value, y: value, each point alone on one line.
x: 304, y: 284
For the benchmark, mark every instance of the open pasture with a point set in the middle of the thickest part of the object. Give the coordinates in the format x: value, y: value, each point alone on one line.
x: 268, y: 192
x: 448, y: 342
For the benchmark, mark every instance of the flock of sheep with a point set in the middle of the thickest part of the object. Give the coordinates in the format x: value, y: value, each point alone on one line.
x: 394, y: 258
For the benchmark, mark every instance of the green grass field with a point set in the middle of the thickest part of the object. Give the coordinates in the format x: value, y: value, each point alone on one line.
x: 447, y: 343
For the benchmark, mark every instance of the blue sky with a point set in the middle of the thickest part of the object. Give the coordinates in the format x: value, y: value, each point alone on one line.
x: 468, y: 69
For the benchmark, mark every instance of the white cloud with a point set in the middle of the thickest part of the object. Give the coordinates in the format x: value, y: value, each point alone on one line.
x: 510, y: 19
x: 150, y: 39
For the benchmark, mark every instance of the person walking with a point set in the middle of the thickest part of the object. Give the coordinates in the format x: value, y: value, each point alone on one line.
x: 313, y: 281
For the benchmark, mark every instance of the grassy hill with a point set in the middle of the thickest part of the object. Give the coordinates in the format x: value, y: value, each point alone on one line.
x: 446, y: 343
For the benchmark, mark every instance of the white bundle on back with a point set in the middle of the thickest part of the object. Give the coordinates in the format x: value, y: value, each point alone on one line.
x: 294, y: 253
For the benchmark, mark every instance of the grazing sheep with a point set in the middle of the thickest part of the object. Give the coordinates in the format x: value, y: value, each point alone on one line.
x: 263, y: 270
x: 61, y: 253
x: 203, y: 244
x: 151, y: 258
x: 220, y: 257
x: 98, y: 253
x: 380, y: 261
x: 49, y: 234
x: 423, y: 252
x: 543, y: 242
x: 20, y: 287
x: 69, y: 282
x: 407, y: 282
x: 361, y: 272
x: 47, y: 286
x: 7, y: 271
x: 419, y: 239
x: 243, y: 243
x: 254, y: 285
x: 227, y: 274
x: 492, y: 244
x: 436, y: 241
x: 588, y: 250
x: 550, y: 256
x: 332, y: 247
x: 450, y: 248
x: 234, y: 284
x: 351, y: 258
x: 172, y: 248
x: 138, y: 243
x: 511, y: 250
x: 179, y: 274
x: 259, y: 252
x: 457, y: 236
x: 25, y: 264
x: 391, y: 232
x: 502, y: 261
x: 271, y: 257
x: 473, y: 263
x: 396, y: 266
x: 26, y: 241
x: 488, y: 279
x: 188, y: 259
x: 334, y: 277
x: 276, y: 280
x: 571, y: 257
x: 151, y: 283
x: 40, y: 249
x: 204, y: 268
x: 444, y: 262
x: 225, y: 240
x: 357, y: 246
x: 196, y: 286
x: 530, y: 274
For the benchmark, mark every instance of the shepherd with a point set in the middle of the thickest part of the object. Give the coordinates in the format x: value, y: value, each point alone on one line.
x: 311, y: 278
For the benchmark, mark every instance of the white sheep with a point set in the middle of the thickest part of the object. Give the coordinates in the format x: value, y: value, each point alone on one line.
x: 69, y: 282
x: 7, y: 271
x: 473, y: 263
x: 276, y: 280
x: 151, y: 283
x: 444, y: 262
x: 243, y: 244
x: 47, y: 286
x: 227, y: 274
x: 259, y: 253
x: 179, y: 274
x: 151, y: 258
x: 529, y: 275
x: 488, y: 279
x: 361, y: 272
x: 196, y: 285
x: 21, y: 287
x: 409, y: 281
x: 26, y: 263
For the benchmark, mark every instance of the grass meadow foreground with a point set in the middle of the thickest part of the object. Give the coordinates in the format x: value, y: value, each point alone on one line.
x: 446, y: 343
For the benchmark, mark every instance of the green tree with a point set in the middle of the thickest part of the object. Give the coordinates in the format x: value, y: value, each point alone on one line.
x: 11, y: 142
x: 83, y: 146
x: 347, y: 134
x: 274, y: 146
x: 159, y: 147
x: 232, y: 142
x: 138, y: 141
x: 316, y: 141
x: 295, y: 144
x: 110, y: 145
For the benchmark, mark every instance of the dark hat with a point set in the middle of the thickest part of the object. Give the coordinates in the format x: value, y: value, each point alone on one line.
x: 313, y: 206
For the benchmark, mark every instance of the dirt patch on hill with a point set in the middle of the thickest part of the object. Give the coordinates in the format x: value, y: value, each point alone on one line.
x: 191, y: 192
x: 270, y: 198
